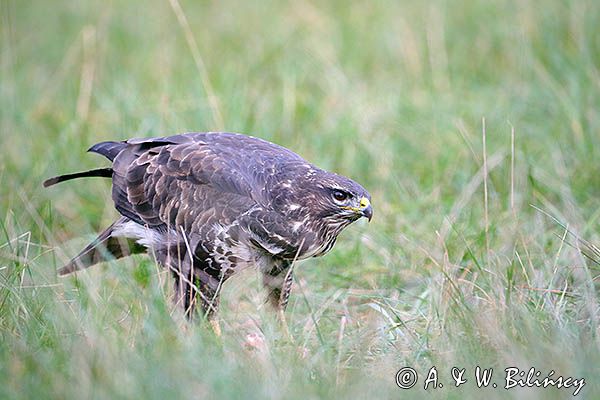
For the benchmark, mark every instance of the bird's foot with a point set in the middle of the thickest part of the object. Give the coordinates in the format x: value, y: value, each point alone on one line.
x: 284, y: 325
x: 214, y: 323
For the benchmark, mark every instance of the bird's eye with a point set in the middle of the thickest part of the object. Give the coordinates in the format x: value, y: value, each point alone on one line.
x: 340, y: 196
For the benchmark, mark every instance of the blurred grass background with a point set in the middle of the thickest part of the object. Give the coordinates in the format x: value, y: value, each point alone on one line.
x: 456, y: 269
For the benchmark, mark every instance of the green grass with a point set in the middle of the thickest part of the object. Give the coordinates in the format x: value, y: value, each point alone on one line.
x: 456, y: 269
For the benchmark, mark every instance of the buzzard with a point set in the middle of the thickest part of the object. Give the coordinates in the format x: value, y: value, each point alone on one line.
x: 206, y: 205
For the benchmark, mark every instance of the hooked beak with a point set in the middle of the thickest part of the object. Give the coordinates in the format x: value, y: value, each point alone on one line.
x: 366, y: 210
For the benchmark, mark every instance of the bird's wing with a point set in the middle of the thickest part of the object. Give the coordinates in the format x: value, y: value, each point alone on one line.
x: 162, y: 183
x: 272, y: 232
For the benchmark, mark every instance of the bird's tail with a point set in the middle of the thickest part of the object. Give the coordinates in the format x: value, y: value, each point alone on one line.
x: 103, y: 172
x: 103, y: 248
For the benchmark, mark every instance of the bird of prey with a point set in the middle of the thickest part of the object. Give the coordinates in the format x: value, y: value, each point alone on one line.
x: 206, y: 205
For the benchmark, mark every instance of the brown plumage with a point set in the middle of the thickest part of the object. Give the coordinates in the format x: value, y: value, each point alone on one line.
x: 209, y: 204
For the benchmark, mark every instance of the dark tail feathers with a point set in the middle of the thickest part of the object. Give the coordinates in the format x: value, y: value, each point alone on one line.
x: 104, y: 247
x: 103, y: 172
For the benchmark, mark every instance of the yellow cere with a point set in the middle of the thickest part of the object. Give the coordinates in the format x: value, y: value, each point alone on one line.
x: 364, y: 202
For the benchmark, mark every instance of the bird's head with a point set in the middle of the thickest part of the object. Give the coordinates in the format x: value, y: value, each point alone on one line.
x: 322, y: 200
x: 341, y: 199
x: 321, y: 203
